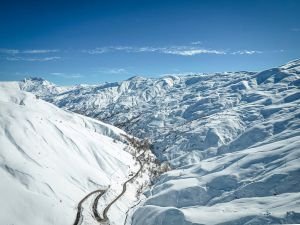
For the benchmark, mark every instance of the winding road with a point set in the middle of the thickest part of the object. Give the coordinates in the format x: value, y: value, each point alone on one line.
x: 105, y: 218
x: 79, y: 206
x: 95, y: 203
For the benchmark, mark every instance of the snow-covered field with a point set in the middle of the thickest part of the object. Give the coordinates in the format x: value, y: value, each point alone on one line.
x: 232, y: 139
x: 50, y: 159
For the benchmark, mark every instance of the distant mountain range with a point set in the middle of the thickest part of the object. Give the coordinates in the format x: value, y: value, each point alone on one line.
x: 233, y: 140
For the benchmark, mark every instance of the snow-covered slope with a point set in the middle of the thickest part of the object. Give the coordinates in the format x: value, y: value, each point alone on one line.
x: 50, y: 159
x: 232, y: 138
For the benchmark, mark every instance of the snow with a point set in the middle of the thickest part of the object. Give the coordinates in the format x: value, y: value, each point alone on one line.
x: 50, y: 159
x: 232, y: 139
x: 233, y: 186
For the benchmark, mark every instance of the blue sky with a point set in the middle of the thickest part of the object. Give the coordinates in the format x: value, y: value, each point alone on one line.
x: 72, y: 42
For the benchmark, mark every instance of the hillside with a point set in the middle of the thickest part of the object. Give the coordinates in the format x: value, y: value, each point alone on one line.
x: 50, y: 159
x: 232, y: 139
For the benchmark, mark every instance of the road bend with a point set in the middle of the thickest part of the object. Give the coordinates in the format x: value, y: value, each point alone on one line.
x: 105, y: 218
x: 78, y: 218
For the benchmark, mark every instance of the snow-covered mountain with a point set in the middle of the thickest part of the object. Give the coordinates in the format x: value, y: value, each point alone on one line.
x: 232, y: 139
x: 50, y: 159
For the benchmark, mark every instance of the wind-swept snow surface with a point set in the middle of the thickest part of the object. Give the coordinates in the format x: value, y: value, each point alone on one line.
x: 232, y: 138
x: 50, y: 159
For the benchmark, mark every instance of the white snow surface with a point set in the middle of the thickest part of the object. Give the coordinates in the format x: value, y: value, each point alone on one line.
x: 50, y: 159
x: 232, y: 139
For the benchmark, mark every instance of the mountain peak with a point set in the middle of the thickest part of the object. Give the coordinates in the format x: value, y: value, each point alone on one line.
x: 136, y: 78
x: 292, y: 64
x: 34, y: 79
x: 39, y: 85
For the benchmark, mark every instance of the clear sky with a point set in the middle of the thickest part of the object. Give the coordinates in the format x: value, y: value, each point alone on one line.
x: 72, y: 42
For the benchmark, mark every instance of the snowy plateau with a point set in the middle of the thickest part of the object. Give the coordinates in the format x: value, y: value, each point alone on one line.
x: 232, y: 140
